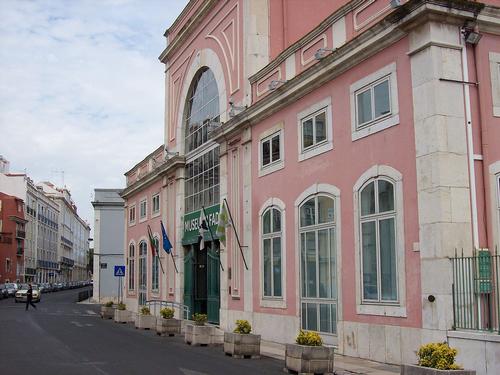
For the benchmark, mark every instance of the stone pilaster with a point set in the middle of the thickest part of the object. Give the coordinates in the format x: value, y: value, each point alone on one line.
x: 442, y: 166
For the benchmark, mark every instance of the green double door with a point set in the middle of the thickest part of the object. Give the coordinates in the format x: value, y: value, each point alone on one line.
x: 202, y: 281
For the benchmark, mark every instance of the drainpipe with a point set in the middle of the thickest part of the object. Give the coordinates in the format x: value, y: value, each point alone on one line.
x: 470, y: 146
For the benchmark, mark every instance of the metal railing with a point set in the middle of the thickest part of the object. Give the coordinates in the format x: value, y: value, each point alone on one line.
x: 476, y: 291
x: 156, y: 305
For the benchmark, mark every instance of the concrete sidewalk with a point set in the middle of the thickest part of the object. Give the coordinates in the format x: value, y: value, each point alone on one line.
x: 343, y: 364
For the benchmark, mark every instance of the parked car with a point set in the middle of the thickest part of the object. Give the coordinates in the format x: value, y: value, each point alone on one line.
x: 4, y: 293
x: 12, y: 288
x: 23, y: 289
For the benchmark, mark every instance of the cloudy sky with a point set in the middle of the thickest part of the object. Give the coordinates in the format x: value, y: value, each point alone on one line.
x: 81, y: 89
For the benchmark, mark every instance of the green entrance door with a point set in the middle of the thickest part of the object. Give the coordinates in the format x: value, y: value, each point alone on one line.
x: 201, y: 281
x: 213, y: 285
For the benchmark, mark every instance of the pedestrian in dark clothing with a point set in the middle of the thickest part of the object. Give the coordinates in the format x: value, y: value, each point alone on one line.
x: 29, y: 297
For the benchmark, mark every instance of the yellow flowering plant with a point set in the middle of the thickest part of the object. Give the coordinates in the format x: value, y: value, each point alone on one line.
x: 437, y: 355
x: 309, y: 338
x: 243, y: 327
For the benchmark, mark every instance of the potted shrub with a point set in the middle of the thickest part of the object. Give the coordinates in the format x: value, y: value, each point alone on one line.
x: 309, y: 355
x: 199, y: 333
x: 144, y: 320
x: 241, y: 343
x: 107, y: 310
x: 167, y: 324
x: 435, y: 358
x: 121, y: 313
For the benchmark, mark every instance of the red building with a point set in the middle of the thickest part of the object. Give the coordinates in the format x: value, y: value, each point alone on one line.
x: 12, y: 235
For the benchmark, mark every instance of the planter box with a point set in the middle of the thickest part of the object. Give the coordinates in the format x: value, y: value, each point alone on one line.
x: 309, y: 359
x: 122, y: 316
x: 145, y: 321
x: 199, y: 335
x: 168, y: 327
x: 107, y: 312
x: 242, y: 345
x: 420, y: 370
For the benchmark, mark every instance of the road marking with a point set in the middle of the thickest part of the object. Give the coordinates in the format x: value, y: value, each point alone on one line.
x: 89, y: 325
x: 90, y: 312
x: 191, y: 372
x: 76, y: 324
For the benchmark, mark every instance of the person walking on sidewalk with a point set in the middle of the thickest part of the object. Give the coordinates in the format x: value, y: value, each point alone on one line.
x: 29, y: 297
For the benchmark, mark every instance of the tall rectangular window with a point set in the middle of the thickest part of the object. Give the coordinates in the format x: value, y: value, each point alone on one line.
x: 155, y: 201
x: 131, y: 215
x: 143, y: 206
x: 272, y: 253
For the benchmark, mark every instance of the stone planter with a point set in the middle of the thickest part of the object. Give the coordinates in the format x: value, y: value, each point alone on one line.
x: 145, y: 321
x: 420, y: 370
x: 122, y: 316
x: 168, y: 327
x: 242, y: 345
x: 107, y: 312
x: 309, y: 359
x: 199, y: 335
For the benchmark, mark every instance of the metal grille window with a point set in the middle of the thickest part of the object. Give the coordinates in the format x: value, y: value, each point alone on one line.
x: 378, y: 242
x: 271, y: 247
x: 202, y: 181
x: 318, y: 266
x: 202, y: 109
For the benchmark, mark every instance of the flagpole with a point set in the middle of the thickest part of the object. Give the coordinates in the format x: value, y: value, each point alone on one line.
x: 152, y: 243
x: 236, y: 234
x: 164, y: 234
x: 211, y: 235
x: 173, y: 260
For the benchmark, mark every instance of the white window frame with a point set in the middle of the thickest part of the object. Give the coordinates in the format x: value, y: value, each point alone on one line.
x: 495, y: 82
x: 382, y: 308
x: 273, y: 302
x: 145, y: 217
x: 154, y: 212
x: 278, y: 164
x: 157, y: 289
x: 271, y: 236
x: 133, y: 208
x: 382, y: 122
x: 324, y: 146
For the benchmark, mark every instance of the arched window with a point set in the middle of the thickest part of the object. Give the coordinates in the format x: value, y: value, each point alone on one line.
x: 377, y: 221
x: 318, y: 269
x: 155, y: 264
x: 131, y: 267
x: 272, y: 257
x: 143, y: 251
x: 202, y: 109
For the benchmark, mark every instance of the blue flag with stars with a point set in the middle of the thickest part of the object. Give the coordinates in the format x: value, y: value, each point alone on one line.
x: 167, y: 246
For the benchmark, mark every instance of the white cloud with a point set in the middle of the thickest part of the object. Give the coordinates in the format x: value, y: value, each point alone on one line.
x: 81, y: 89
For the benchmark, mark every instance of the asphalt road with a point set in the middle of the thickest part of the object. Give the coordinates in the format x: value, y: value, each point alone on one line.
x: 63, y: 337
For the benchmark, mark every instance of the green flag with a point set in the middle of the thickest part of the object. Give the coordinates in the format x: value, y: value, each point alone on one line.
x: 223, y: 223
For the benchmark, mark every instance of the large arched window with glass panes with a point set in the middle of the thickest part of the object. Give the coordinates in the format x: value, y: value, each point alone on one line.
x: 378, y: 242
x: 201, y: 116
x: 318, y: 264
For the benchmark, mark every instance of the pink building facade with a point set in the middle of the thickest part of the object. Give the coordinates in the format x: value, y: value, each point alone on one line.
x: 357, y: 145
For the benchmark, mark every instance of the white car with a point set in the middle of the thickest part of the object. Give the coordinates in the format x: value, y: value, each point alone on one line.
x: 23, y: 289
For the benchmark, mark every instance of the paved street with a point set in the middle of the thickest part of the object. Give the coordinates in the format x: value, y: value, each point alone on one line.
x: 63, y: 337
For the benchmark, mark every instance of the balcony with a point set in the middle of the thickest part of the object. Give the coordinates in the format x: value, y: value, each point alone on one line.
x: 20, y: 251
x: 20, y: 234
x: 67, y: 262
x: 66, y: 242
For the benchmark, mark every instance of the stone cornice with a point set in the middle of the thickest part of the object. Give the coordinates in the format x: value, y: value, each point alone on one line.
x: 383, y: 34
x: 153, y: 176
x: 188, y: 29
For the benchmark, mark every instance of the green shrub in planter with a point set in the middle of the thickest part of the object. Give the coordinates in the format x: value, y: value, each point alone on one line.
x: 243, y: 327
x: 145, y: 311
x: 437, y: 355
x: 121, y: 306
x: 167, y: 313
x: 200, y: 319
x: 309, y: 338
x: 108, y: 304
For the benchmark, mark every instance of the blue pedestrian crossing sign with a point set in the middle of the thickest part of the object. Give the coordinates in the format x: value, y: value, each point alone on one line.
x: 120, y: 271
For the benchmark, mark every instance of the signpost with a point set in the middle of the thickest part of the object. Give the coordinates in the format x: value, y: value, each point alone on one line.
x: 120, y: 273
